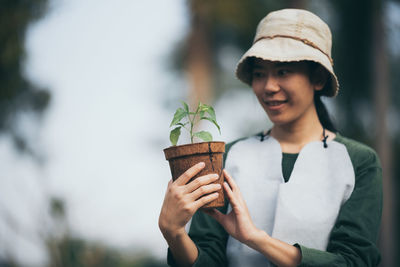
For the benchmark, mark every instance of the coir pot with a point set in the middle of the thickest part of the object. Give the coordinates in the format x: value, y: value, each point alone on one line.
x: 183, y: 157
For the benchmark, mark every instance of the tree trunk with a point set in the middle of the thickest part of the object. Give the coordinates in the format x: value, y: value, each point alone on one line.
x: 297, y: 4
x: 383, y: 144
x: 199, y: 54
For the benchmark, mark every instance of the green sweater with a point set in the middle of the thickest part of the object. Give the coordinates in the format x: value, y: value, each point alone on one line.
x: 353, y: 238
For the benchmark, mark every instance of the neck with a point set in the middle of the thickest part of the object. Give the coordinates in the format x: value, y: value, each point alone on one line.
x: 293, y: 136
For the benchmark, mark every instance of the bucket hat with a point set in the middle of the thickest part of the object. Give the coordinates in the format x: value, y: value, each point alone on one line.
x: 291, y: 35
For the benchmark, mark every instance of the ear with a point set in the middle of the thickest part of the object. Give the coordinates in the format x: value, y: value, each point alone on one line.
x: 319, y: 78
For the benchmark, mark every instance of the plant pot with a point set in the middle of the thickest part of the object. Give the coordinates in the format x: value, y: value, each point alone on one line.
x: 183, y: 157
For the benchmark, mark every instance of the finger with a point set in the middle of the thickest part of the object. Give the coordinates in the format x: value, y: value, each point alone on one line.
x: 203, y: 190
x: 200, y: 181
x: 230, y: 181
x: 205, y: 200
x: 228, y: 192
x: 236, y: 194
x: 169, y: 184
x: 189, y: 173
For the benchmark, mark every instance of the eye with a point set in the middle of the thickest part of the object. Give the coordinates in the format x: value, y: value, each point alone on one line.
x: 283, y: 72
x: 258, y: 74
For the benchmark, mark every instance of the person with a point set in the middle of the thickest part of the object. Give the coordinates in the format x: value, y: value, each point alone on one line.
x: 300, y: 194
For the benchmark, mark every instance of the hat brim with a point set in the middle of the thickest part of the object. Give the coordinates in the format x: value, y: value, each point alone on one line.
x: 285, y: 50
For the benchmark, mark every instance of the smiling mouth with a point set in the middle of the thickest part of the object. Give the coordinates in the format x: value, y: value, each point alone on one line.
x: 275, y: 102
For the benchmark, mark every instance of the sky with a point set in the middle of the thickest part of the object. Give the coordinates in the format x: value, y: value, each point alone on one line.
x: 102, y: 136
x: 101, y: 62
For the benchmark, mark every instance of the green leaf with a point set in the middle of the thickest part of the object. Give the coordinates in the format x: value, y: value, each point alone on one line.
x: 185, y: 106
x: 174, y: 135
x: 178, y: 116
x: 203, y: 107
x: 211, y: 112
x: 209, y: 109
x: 202, y: 113
x: 206, y: 136
x: 213, y: 121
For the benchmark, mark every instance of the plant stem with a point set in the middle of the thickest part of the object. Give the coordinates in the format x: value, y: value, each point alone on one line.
x: 192, y: 123
x: 191, y: 128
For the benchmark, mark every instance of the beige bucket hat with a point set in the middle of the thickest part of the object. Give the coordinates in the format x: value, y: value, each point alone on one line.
x: 291, y: 35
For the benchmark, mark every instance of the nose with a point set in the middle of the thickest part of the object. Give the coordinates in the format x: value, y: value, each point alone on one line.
x: 271, y: 85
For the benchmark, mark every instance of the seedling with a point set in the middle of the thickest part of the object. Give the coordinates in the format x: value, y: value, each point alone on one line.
x: 184, y: 118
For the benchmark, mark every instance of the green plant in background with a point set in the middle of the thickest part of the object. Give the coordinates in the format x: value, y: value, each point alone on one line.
x: 203, y: 112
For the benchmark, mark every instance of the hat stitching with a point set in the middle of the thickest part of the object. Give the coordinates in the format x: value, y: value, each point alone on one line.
x: 300, y: 24
x: 307, y: 42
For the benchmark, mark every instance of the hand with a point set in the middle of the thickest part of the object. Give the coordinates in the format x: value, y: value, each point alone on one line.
x: 182, y: 200
x: 238, y: 222
x: 239, y: 225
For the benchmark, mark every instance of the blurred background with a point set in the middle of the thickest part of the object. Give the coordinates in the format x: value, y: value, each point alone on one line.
x: 88, y: 89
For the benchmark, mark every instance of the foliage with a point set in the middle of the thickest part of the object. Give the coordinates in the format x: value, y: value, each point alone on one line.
x: 203, y: 112
x: 228, y: 23
x: 16, y: 92
x: 66, y: 250
x: 76, y: 252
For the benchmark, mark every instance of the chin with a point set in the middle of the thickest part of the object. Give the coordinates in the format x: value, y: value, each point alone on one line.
x: 277, y: 122
x: 282, y: 121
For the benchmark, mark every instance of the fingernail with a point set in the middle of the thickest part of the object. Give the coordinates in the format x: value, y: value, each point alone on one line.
x: 218, y: 186
x: 215, y: 176
x: 202, y: 164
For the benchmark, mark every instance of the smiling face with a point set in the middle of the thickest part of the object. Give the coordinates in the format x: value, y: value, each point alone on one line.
x: 284, y: 90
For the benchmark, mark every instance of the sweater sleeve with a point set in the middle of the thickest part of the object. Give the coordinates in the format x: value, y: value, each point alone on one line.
x: 353, y: 238
x: 210, y: 239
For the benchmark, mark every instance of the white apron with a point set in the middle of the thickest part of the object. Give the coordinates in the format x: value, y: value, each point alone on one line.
x: 304, y: 209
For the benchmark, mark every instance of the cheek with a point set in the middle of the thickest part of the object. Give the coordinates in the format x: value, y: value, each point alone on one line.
x: 257, y: 92
x: 303, y: 101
